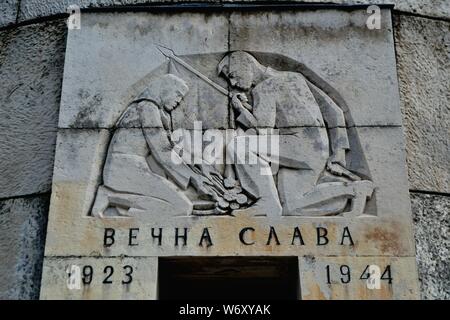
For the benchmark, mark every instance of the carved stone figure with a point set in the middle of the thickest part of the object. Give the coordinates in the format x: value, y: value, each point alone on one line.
x: 139, y: 172
x: 313, y: 179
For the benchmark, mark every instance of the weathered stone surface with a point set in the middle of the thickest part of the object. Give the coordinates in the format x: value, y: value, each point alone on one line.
x: 117, y: 174
x: 40, y: 8
x: 340, y: 278
x: 337, y: 46
x: 83, y: 157
x: 89, y: 106
x: 78, y: 165
x: 432, y: 233
x: 118, y: 278
x: 383, y: 149
x: 8, y: 12
x: 22, y: 236
x: 31, y: 67
x: 423, y: 67
x: 103, y: 89
x: 433, y: 8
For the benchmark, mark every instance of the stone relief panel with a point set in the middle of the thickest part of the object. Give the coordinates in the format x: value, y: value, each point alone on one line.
x: 191, y: 134
x: 145, y: 171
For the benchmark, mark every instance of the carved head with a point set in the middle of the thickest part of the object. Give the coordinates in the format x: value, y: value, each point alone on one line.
x: 165, y: 91
x: 241, y: 69
x: 171, y: 92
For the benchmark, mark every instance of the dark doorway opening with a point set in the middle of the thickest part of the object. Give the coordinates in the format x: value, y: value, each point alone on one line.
x: 228, y: 278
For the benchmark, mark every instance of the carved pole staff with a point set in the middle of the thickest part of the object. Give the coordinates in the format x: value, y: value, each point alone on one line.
x: 167, y: 52
x: 242, y: 199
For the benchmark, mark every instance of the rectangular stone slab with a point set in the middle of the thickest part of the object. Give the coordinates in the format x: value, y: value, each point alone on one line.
x: 229, y: 236
x: 121, y: 50
x: 336, y: 45
x: 321, y: 77
x: 344, y: 278
x: 90, y: 278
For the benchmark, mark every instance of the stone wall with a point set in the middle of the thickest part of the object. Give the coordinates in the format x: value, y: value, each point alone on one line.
x: 32, y: 44
x: 423, y: 65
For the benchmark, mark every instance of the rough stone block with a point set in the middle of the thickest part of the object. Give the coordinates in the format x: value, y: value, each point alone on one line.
x: 335, y: 47
x: 432, y: 233
x: 31, y: 67
x: 8, y: 12
x: 116, y: 70
x: 40, y: 8
x: 338, y: 189
x: 23, y: 223
x: 422, y: 47
x: 81, y: 157
x: 346, y: 278
x: 383, y: 149
x: 433, y: 8
x: 118, y: 278
x: 85, y: 166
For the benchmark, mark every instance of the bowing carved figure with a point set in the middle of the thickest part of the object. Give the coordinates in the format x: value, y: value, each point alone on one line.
x: 313, y: 178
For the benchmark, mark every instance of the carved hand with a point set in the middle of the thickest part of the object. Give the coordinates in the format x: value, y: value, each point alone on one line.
x: 209, y: 171
x: 237, y: 99
x: 202, y: 185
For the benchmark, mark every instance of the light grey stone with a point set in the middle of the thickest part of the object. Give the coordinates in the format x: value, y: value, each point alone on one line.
x: 423, y: 55
x: 127, y: 278
x: 382, y: 159
x: 31, y: 9
x: 306, y: 105
x: 287, y: 99
x: 316, y: 284
x: 31, y: 66
x: 376, y: 155
x: 335, y: 50
x: 129, y: 184
x: 201, y: 96
x: 433, y: 8
x: 79, y: 160
x: 40, y: 8
x: 95, y: 93
x: 8, y: 12
x: 114, y: 161
x: 123, y: 192
x: 22, y: 236
x: 432, y: 233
